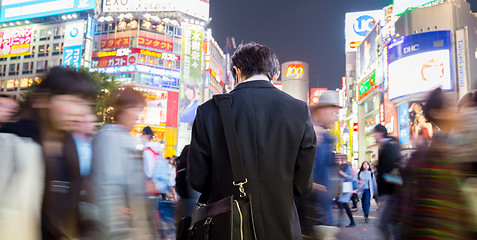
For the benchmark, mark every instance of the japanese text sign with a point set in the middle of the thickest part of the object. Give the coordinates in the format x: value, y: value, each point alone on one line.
x: 192, y: 54
x: 114, y: 43
x: 157, y: 44
x: 15, y: 42
x: 72, y: 56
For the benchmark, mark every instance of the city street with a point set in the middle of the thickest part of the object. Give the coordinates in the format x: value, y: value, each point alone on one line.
x: 362, y: 231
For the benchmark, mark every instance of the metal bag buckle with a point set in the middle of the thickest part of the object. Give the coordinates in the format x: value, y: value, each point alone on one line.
x: 241, y: 188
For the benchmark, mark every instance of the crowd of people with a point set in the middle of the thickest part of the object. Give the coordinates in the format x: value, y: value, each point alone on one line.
x: 63, y: 177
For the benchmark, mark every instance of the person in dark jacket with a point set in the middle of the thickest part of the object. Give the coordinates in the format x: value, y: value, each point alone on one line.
x: 276, y: 139
x: 187, y: 196
x: 388, y: 165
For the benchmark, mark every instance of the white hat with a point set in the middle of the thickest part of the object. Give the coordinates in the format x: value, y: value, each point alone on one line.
x: 327, y: 99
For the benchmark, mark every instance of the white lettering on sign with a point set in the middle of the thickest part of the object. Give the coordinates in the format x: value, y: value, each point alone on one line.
x: 168, y: 56
x: 123, y: 52
x: 410, y: 49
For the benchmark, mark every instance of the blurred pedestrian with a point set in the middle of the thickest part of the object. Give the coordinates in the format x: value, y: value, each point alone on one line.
x: 8, y: 107
x: 54, y: 108
x: 314, y: 209
x: 389, y: 158
x: 367, y: 188
x: 118, y: 173
x: 277, y: 145
x: 346, y: 172
x: 437, y: 206
x: 22, y: 174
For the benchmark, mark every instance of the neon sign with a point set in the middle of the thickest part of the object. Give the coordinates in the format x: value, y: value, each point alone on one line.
x: 367, y: 87
x: 295, y: 70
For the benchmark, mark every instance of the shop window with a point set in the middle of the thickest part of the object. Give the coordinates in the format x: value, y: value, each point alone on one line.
x: 15, y: 58
x: 43, y: 50
x: 170, y: 31
x: 169, y: 64
x: 27, y: 68
x: 3, y: 59
x: 25, y: 83
x: 178, y: 65
x: 3, y: 69
x: 177, y: 48
x: 41, y: 66
x: 142, y: 59
x: 178, y: 32
x: 13, y: 69
x: 56, y: 63
x: 58, y: 32
x: 44, y: 35
x: 11, y: 84
x: 57, y: 49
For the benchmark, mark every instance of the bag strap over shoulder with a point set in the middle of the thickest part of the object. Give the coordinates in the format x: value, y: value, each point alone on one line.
x: 224, y: 103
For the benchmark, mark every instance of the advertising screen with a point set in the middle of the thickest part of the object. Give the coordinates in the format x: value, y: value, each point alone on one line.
x: 368, y: 57
x: 14, y: 10
x: 358, y: 25
x: 15, y: 42
x: 419, y: 63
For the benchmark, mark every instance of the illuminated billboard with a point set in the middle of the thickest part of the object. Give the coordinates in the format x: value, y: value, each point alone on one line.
x: 315, y: 94
x: 14, y: 10
x: 419, y: 63
x: 15, y: 42
x: 358, y: 25
x: 195, y: 8
x: 367, y: 57
x: 401, y: 6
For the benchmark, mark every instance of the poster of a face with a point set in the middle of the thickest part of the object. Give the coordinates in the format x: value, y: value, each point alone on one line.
x: 420, y: 128
x: 189, y: 103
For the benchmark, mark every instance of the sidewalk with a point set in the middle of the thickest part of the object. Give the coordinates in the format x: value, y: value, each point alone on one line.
x: 362, y: 231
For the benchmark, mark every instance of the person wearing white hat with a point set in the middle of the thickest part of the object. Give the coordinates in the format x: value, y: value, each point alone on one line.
x: 315, y: 208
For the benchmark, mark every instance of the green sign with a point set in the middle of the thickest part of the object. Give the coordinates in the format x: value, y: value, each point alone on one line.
x: 192, y: 53
x: 367, y: 86
x: 401, y: 6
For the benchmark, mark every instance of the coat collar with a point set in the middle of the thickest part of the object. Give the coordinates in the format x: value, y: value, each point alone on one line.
x: 254, y: 84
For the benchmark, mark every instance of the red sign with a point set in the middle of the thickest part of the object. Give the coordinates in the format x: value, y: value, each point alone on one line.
x: 355, y: 127
x: 315, y: 94
x: 172, y: 108
x: 114, y: 43
x: 381, y: 114
x: 116, y: 61
x: 157, y: 44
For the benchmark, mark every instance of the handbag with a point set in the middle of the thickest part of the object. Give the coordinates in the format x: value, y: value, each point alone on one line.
x: 230, y: 218
x: 347, y: 187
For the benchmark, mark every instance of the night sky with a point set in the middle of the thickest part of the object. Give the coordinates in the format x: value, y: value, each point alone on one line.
x: 304, y: 30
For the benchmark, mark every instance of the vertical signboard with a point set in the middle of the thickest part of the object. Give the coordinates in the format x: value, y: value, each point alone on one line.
x: 403, y: 113
x: 73, y: 45
x: 191, y: 72
x: 462, y: 71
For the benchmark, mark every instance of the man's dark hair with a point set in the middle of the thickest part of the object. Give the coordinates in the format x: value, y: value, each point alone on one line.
x: 435, y: 101
x: 253, y: 58
x: 381, y: 129
x: 61, y: 81
x: 147, y: 131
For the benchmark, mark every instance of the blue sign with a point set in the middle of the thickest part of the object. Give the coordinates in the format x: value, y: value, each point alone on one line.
x: 90, y: 28
x: 72, y: 56
x: 14, y: 10
x: 364, y: 25
x: 407, y: 46
x: 403, y: 114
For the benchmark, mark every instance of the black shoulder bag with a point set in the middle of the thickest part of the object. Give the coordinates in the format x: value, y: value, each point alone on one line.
x: 230, y: 218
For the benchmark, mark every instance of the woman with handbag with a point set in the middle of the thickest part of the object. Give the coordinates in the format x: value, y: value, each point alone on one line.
x: 367, y: 188
x: 346, y: 172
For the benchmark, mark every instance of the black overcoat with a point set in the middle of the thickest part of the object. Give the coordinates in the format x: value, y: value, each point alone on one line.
x: 278, y: 144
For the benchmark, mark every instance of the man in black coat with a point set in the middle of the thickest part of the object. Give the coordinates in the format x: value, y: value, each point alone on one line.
x: 276, y: 139
x: 388, y: 162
